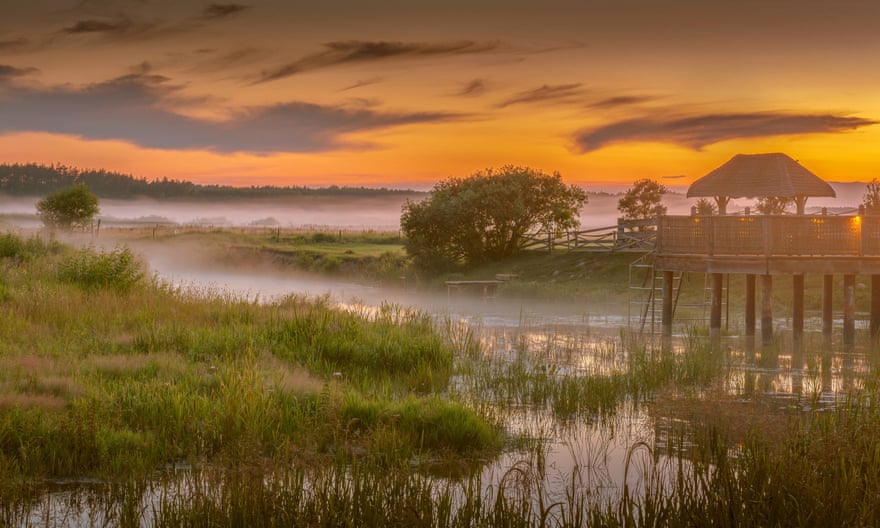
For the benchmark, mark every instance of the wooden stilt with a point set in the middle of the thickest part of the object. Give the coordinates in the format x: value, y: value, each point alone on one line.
x: 827, y: 305
x: 875, y: 306
x: 666, y: 317
x: 849, y: 309
x: 766, y: 309
x: 715, y: 315
x: 797, y: 316
x: 750, y: 305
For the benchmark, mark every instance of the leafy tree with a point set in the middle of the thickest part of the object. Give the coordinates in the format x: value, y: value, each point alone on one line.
x: 642, y: 200
x: 771, y: 205
x: 67, y: 208
x: 485, y: 216
x: 871, y: 198
x: 706, y: 207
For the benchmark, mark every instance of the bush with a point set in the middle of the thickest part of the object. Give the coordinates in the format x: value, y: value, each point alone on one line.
x: 14, y: 247
x: 67, y: 208
x: 91, y: 269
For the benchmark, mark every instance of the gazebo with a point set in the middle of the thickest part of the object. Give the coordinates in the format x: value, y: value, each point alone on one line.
x: 773, y: 175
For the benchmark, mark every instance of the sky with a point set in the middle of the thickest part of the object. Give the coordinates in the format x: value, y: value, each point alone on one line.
x: 407, y: 93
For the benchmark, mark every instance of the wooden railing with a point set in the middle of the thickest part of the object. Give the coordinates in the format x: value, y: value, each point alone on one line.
x: 627, y: 235
x: 769, y: 235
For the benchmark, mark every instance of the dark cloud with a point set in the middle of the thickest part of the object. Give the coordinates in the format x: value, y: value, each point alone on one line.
x: 9, y: 72
x: 214, y: 11
x: 132, y: 108
x: 358, y: 51
x: 210, y: 60
x: 622, y: 100
x: 699, y: 131
x: 544, y: 94
x: 14, y: 44
x: 474, y: 88
x: 362, y: 83
x: 126, y: 26
x: 120, y: 25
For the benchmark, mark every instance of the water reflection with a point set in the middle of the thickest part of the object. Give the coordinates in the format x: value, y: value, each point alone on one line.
x: 531, y: 350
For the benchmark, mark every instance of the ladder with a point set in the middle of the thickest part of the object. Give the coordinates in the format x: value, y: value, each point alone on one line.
x: 646, y: 291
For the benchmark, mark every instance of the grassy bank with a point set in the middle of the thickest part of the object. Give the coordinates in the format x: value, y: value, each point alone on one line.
x: 186, y: 408
x: 105, y: 372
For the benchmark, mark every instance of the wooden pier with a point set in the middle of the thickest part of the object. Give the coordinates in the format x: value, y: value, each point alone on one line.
x: 768, y: 246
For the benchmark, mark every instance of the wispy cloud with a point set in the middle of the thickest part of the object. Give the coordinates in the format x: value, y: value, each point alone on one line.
x: 697, y: 132
x: 215, y: 11
x: 10, y: 72
x: 12, y: 45
x: 212, y: 60
x: 621, y: 100
x: 545, y: 94
x: 473, y: 88
x: 132, y: 108
x: 362, y: 83
x: 358, y: 51
x: 129, y: 26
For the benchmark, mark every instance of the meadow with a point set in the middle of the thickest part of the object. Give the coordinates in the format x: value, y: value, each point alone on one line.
x: 125, y: 401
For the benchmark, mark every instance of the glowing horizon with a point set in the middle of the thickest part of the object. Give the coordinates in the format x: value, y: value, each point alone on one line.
x: 405, y: 95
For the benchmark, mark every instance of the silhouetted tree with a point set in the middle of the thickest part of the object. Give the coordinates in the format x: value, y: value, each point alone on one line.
x: 706, y: 207
x: 643, y: 200
x: 67, y: 208
x: 485, y: 216
x: 871, y: 198
x: 771, y: 205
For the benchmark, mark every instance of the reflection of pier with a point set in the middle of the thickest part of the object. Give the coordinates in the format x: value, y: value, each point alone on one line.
x: 764, y: 246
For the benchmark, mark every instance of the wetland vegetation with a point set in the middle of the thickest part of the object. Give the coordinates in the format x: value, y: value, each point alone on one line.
x: 127, y: 401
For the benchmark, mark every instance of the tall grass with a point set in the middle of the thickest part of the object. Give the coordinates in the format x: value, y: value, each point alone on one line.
x: 106, y: 372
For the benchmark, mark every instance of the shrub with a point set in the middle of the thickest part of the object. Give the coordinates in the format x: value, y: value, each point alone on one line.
x: 91, y: 269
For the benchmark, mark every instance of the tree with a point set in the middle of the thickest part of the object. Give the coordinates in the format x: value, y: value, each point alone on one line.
x: 67, y: 208
x: 871, y: 198
x: 771, y: 205
x: 485, y: 216
x: 643, y: 200
x: 706, y: 207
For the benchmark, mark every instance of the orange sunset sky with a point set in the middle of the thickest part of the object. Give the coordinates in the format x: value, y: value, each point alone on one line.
x: 406, y: 93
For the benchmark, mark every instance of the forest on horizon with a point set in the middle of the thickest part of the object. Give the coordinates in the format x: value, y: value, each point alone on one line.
x: 33, y: 179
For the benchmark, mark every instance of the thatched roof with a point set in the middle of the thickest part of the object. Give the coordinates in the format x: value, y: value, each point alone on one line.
x: 760, y: 176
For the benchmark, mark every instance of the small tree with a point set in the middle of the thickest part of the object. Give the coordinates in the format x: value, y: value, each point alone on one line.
x: 706, y: 207
x: 485, y: 216
x: 871, y: 198
x: 68, y: 208
x: 770, y: 205
x: 643, y: 200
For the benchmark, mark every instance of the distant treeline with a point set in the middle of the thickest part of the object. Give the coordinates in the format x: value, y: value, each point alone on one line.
x: 37, y: 180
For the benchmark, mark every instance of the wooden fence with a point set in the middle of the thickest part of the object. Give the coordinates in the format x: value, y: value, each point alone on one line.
x: 627, y: 235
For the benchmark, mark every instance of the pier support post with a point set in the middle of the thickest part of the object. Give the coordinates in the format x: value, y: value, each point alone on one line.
x: 849, y: 309
x: 875, y: 307
x: 827, y: 305
x: 715, y: 315
x: 766, y: 309
x: 666, y: 316
x: 797, y: 316
x: 750, y: 305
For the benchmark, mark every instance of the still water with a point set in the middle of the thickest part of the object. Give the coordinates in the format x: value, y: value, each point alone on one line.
x: 555, y: 453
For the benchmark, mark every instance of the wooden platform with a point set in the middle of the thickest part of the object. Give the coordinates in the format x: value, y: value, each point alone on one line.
x: 764, y: 246
x: 489, y: 286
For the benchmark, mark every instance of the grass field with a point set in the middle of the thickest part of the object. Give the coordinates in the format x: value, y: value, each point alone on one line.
x: 187, y: 408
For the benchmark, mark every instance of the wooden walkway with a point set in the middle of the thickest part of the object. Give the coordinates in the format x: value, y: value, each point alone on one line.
x: 628, y: 235
x: 772, y: 245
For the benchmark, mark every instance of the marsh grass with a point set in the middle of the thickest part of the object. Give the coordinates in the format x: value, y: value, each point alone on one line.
x: 171, y: 407
x: 106, y: 372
